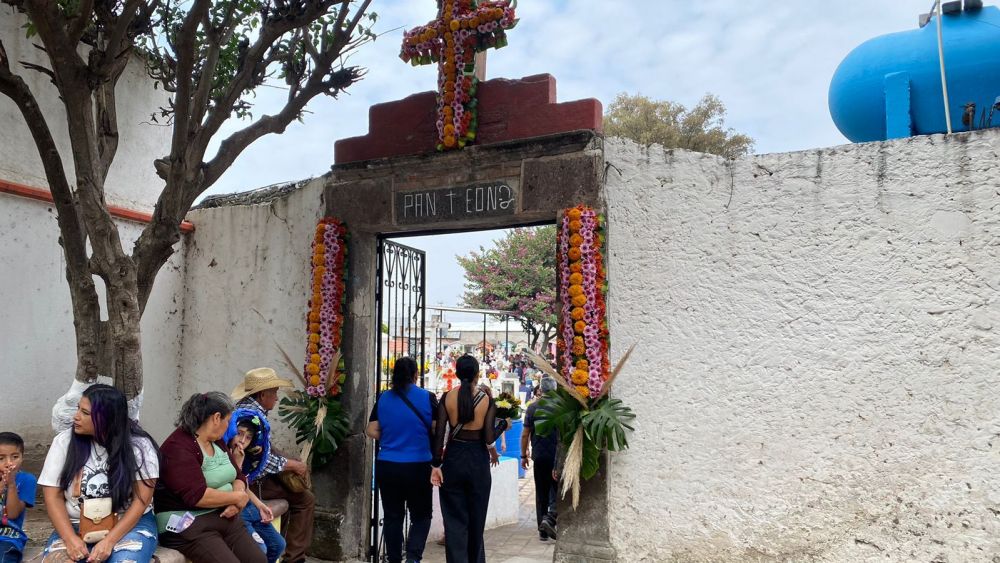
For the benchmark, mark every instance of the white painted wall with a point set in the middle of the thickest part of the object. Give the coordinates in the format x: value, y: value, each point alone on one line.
x: 37, y: 345
x: 132, y: 182
x: 37, y: 342
x: 816, y: 370
x: 246, y: 291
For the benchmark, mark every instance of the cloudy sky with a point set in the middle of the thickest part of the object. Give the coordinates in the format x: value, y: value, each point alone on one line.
x: 770, y: 62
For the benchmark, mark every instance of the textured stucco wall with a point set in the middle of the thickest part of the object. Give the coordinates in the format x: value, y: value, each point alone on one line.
x: 132, y: 182
x: 246, y: 287
x: 37, y: 342
x: 817, y: 356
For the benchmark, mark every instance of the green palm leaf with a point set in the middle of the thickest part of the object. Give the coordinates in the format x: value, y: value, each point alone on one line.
x: 606, y: 422
x: 558, y: 412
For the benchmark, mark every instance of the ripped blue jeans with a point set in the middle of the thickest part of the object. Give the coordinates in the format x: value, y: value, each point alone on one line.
x: 137, y: 545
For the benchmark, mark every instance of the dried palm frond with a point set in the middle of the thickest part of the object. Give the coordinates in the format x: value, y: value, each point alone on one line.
x: 547, y: 368
x: 616, y: 371
x: 571, y: 468
x: 291, y: 365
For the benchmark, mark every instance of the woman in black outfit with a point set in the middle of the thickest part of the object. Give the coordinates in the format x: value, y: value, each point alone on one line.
x: 468, y: 417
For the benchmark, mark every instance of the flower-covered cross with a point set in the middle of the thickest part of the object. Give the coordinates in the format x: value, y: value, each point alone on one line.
x: 462, y: 28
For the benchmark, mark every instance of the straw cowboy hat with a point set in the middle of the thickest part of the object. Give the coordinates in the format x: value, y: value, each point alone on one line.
x: 256, y: 380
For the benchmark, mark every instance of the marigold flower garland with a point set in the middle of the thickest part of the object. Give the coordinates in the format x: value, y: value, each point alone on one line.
x: 462, y: 28
x: 583, y: 324
x: 325, y: 320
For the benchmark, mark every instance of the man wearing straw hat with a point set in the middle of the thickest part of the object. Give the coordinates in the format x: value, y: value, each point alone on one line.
x: 259, y: 391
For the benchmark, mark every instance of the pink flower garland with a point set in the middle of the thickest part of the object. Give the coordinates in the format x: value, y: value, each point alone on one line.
x: 325, y: 319
x: 583, y: 324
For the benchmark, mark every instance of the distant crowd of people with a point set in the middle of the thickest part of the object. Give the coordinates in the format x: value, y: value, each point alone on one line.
x: 111, y: 498
x: 429, y: 442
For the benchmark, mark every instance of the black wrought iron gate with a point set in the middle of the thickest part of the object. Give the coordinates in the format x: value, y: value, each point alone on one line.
x: 400, y: 290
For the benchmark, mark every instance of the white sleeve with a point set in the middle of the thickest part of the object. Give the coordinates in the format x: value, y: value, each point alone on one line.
x: 55, y: 460
x: 145, y: 455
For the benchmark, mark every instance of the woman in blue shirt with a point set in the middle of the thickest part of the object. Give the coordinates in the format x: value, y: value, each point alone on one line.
x: 402, y: 422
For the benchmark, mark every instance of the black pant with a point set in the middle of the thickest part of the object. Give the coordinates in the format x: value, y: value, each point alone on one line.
x: 465, y: 496
x: 402, y: 486
x: 545, y: 490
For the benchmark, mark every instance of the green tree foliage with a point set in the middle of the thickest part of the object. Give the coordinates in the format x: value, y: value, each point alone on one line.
x: 209, y: 57
x: 701, y: 128
x: 517, y: 274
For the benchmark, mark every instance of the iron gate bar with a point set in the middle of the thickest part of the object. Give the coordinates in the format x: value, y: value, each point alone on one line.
x: 400, y: 290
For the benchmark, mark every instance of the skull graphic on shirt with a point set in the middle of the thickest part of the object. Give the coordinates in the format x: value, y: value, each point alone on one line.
x: 95, y: 483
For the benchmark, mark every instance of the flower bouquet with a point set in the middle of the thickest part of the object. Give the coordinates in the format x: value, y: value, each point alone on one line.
x: 508, y: 406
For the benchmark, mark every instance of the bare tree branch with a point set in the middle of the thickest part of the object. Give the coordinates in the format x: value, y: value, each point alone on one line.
x: 79, y: 22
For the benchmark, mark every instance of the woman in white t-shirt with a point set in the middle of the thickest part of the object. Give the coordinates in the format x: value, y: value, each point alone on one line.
x: 104, y: 455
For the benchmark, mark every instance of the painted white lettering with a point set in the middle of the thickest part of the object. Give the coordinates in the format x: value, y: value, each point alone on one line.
x: 407, y: 204
x: 468, y: 200
x: 491, y: 198
x: 431, y: 204
x: 451, y: 202
x: 480, y: 199
x: 506, y: 196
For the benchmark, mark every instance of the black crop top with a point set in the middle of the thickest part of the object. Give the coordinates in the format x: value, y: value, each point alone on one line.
x: 489, y: 433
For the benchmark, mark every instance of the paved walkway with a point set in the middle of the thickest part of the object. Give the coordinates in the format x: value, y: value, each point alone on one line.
x: 515, y: 543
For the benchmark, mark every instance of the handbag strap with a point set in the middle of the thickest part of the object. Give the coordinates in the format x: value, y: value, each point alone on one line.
x: 406, y: 400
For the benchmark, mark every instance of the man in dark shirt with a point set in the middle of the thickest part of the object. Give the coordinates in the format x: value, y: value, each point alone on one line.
x: 543, y: 452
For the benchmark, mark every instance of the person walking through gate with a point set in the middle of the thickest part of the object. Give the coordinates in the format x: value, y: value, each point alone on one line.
x: 542, y: 451
x: 403, y: 422
x: 259, y: 391
x: 464, y: 473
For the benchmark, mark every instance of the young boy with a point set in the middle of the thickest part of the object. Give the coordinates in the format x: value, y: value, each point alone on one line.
x: 256, y: 515
x: 17, y: 493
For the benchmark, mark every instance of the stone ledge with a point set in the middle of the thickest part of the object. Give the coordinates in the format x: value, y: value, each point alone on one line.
x: 508, y: 110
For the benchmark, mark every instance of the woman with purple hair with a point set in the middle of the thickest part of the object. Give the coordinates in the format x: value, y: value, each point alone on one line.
x: 104, y: 459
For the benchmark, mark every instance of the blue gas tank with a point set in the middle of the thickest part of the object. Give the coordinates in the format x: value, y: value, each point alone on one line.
x: 890, y: 86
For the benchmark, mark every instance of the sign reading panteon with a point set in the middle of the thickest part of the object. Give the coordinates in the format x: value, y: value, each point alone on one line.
x: 456, y: 203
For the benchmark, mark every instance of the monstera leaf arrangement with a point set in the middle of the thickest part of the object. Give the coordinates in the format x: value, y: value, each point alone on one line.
x: 585, y: 426
x: 315, y: 412
x: 587, y: 420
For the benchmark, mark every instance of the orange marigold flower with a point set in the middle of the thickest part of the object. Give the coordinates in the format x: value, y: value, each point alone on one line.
x: 575, y: 226
x: 574, y: 253
x: 583, y: 390
x: 578, y: 350
x: 579, y: 377
x: 312, y: 348
x: 312, y: 369
x: 579, y: 327
x: 455, y: 25
x: 575, y: 240
x: 574, y: 214
x: 582, y: 364
x: 314, y: 317
x: 315, y: 359
x: 576, y: 279
x: 580, y: 300
x: 577, y: 313
x: 314, y: 338
x: 313, y: 327
x: 576, y: 267
x: 317, y: 260
x: 449, y: 141
x: 577, y: 340
x: 575, y: 290
x: 313, y: 380
x: 320, y: 249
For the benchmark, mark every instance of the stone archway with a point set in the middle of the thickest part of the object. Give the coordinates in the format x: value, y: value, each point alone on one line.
x: 504, y: 185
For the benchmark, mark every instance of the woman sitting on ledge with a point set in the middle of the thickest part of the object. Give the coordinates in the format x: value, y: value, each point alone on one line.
x: 202, y: 481
x: 104, y: 467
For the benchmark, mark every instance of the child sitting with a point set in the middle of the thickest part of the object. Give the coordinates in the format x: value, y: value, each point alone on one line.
x: 17, y: 493
x: 248, y: 442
